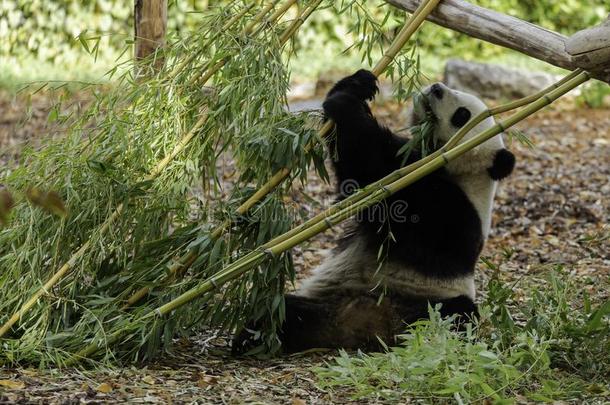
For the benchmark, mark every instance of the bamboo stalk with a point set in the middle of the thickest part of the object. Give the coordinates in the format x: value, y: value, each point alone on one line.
x: 401, y: 39
x: 187, y: 60
x: 259, y: 16
x: 66, y: 267
x: 247, y: 31
x: 504, y: 108
x: 254, y: 258
x: 299, y: 21
x: 225, y: 27
x: 417, y: 18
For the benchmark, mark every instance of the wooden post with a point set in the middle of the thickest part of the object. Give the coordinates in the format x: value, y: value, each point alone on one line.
x: 150, y: 25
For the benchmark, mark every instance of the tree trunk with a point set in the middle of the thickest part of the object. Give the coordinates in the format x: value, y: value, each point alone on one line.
x: 150, y: 24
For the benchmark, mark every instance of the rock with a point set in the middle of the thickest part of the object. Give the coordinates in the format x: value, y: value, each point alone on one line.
x: 305, y: 105
x: 494, y: 81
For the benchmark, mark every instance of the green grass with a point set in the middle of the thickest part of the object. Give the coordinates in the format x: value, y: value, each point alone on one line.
x: 554, y: 345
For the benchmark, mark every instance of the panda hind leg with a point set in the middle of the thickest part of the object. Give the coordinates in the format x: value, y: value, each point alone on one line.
x: 309, y: 324
x: 349, y: 322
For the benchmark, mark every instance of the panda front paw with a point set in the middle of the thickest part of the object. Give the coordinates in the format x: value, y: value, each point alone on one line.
x: 343, y: 107
x: 362, y: 85
x: 245, y: 340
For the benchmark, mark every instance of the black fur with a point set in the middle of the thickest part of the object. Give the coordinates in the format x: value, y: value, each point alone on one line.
x: 441, y: 232
x: 503, y: 165
x: 352, y: 321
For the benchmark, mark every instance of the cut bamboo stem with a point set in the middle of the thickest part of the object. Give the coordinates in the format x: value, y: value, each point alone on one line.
x: 291, y: 239
x: 66, y: 267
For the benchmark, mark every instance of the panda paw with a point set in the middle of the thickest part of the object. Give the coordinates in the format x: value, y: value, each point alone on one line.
x: 343, y: 107
x: 362, y: 84
x: 247, y: 338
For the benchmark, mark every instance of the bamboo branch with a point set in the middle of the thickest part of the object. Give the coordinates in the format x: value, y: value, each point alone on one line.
x: 59, y: 275
x: 247, y: 31
x: 225, y: 27
x: 161, y: 165
x: 291, y: 239
x: 401, y: 39
x: 299, y: 21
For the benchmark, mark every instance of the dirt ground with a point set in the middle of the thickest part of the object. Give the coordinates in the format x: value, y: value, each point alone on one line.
x: 555, y: 208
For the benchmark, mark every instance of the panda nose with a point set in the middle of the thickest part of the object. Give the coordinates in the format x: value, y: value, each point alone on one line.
x: 437, y: 90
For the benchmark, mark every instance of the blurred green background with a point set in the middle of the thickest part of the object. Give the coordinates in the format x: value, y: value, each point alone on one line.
x: 39, y: 38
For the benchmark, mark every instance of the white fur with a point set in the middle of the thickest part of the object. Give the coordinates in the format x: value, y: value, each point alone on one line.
x: 355, y: 269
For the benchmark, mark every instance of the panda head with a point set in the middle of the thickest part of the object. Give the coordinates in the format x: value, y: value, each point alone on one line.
x: 449, y: 110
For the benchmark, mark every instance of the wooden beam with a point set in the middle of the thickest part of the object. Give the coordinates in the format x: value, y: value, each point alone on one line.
x: 590, y: 48
x: 509, y: 32
x: 150, y: 25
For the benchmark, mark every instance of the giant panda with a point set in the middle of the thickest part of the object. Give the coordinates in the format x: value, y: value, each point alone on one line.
x: 432, y: 231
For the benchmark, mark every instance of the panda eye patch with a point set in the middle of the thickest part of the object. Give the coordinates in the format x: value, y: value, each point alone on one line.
x: 460, y: 117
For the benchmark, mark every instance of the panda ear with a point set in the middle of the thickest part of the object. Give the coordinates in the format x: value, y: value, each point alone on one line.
x: 503, y: 164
